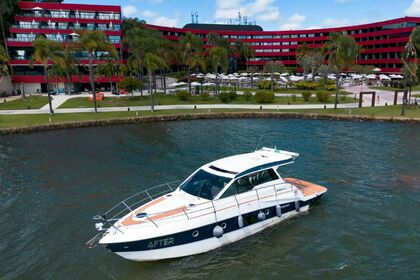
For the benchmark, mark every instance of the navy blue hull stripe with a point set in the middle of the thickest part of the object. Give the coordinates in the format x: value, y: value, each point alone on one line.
x: 204, y: 232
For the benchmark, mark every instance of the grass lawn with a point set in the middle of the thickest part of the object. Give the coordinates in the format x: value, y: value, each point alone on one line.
x: 8, y: 121
x: 33, y: 102
x: 160, y: 99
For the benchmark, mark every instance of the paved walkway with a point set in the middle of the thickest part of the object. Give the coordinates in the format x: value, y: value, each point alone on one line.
x: 385, y: 97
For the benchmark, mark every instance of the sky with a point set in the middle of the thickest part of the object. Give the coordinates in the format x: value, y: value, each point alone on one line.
x: 269, y: 14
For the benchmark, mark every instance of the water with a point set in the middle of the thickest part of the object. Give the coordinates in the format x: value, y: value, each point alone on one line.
x: 366, y: 227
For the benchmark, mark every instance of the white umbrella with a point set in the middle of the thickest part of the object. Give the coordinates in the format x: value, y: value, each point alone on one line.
x: 172, y: 85
x: 384, y: 77
x: 393, y: 76
x: 295, y: 78
x: 195, y: 84
x: 377, y: 69
x: 74, y: 34
x: 208, y: 84
x: 371, y: 77
x: 181, y: 84
x: 284, y: 79
x: 284, y: 74
x: 37, y: 9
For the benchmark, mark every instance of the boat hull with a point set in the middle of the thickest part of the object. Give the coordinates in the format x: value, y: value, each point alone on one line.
x: 182, y: 244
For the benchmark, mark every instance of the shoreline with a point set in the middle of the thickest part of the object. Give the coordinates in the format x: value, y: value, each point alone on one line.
x: 203, y: 116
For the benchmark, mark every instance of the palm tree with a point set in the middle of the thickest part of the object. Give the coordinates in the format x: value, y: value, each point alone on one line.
x: 139, y: 40
x: 219, y: 60
x: 46, y: 51
x: 7, y: 10
x: 190, y: 48
x: 4, y: 59
x: 309, y: 59
x: 274, y: 66
x: 152, y: 62
x: 92, y: 41
x: 342, y: 52
x: 409, y: 58
x: 108, y: 70
x: 241, y: 52
x: 168, y: 53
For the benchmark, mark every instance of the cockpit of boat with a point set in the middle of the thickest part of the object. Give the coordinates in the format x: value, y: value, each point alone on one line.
x: 206, y: 185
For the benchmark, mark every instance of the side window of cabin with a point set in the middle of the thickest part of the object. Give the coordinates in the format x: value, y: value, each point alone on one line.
x: 247, y: 183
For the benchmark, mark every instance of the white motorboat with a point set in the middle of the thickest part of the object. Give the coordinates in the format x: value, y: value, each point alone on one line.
x: 220, y: 203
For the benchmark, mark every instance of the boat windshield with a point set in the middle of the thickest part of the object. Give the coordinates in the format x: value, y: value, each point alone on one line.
x: 204, y: 184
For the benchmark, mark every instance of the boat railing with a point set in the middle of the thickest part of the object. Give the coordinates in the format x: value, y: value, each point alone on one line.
x: 131, y: 203
x: 126, y: 206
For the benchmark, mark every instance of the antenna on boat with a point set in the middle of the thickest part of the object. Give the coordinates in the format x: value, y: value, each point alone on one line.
x: 259, y: 142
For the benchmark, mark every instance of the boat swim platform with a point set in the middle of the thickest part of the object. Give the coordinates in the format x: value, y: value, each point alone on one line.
x: 307, y: 188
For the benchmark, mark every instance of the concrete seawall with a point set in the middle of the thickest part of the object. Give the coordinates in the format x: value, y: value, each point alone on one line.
x: 199, y: 116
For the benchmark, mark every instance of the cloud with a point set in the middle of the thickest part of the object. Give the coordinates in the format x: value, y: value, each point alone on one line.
x: 293, y: 22
x: 148, y: 14
x: 165, y: 21
x: 414, y: 9
x: 332, y: 22
x: 129, y: 10
x: 264, y: 10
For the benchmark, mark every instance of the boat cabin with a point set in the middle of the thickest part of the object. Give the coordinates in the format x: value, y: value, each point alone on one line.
x: 237, y: 174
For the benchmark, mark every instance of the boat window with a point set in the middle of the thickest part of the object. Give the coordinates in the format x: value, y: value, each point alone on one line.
x: 248, y: 182
x: 204, y: 184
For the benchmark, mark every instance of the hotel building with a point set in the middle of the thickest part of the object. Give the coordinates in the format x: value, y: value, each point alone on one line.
x: 57, y: 21
x: 381, y: 42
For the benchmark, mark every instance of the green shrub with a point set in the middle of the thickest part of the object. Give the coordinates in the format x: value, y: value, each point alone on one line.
x: 247, y: 95
x: 306, y: 95
x: 205, y: 96
x: 129, y: 84
x: 293, y: 97
x: 265, y: 84
x: 330, y: 87
x: 227, y: 96
x: 311, y: 85
x: 264, y: 97
x: 343, y: 97
x: 323, y: 96
x: 183, y: 95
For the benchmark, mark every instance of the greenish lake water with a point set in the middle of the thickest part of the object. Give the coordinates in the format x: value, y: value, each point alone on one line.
x: 366, y: 227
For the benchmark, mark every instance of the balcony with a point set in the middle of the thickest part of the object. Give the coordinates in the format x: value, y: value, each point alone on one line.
x: 76, y: 15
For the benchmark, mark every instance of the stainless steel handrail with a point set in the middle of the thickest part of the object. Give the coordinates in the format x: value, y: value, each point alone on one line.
x: 128, y: 207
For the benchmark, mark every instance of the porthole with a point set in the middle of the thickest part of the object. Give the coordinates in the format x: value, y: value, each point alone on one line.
x: 267, y: 211
x: 141, y: 215
x: 223, y: 225
x: 195, y: 233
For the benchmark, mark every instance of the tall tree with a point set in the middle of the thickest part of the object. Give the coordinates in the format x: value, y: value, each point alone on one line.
x: 92, y: 42
x: 7, y: 9
x: 274, y: 66
x: 4, y: 59
x: 342, y: 52
x: 219, y: 60
x: 139, y: 39
x: 310, y: 59
x: 409, y: 58
x: 152, y: 62
x: 190, y: 48
x: 241, y: 52
x: 46, y: 52
x: 108, y: 70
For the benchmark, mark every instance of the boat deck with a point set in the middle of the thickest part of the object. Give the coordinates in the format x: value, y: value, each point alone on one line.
x: 307, y: 188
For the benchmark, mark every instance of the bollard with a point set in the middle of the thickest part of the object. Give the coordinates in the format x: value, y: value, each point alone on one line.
x: 260, y: 107
x: 128, y: 109
x: 195, y: 107
x: 325, y: 106
x: 386, y: 103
